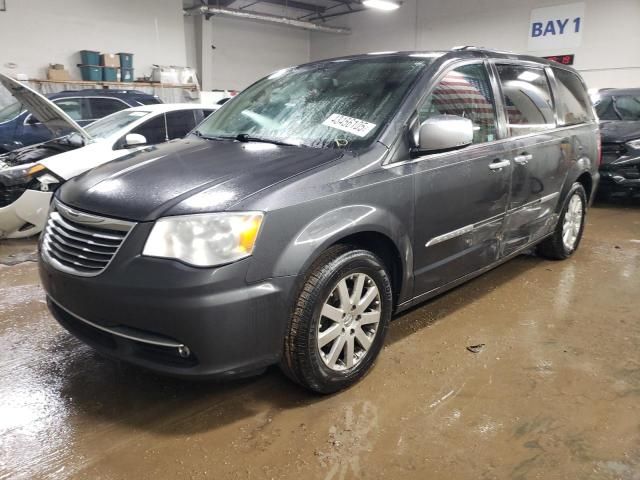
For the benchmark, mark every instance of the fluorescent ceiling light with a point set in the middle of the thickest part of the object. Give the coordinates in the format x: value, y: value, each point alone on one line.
x: 528, y: 76
x: 381, y: 4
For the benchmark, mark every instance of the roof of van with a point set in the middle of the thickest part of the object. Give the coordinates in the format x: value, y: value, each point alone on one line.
x: 169, y: 107
x: 456, y: 52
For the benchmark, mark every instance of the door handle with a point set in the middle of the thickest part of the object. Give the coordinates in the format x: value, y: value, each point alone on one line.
x: 523, y: 159
x: 499, y: 165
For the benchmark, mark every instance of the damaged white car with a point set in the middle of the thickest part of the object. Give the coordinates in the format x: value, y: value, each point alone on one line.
x: 29, y: 176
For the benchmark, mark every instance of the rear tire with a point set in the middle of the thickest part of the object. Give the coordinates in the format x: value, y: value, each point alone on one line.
x: 339, y: 321
x: 568, y: 232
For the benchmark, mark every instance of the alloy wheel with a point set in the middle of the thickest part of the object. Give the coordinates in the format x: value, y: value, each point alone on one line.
x: 349, y: 322
x: 572, y: 222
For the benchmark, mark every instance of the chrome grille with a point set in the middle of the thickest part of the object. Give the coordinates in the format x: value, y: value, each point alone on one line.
x: 80, y: 243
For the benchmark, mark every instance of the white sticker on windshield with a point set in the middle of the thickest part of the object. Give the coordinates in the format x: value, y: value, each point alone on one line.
x: 349, y: 124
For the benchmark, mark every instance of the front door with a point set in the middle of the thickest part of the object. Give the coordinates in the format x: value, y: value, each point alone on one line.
x: 538, y: 153
x: 461, y: 196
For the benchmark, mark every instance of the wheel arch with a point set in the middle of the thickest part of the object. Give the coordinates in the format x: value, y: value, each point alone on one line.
x: 372, y: 228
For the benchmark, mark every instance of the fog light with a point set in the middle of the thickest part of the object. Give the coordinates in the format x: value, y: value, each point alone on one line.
x: 184, y: 351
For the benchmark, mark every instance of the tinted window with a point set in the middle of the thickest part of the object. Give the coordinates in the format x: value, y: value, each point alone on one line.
x: 466, y: 92
x: 10, y: 112
x: 72, y: 107
x: 527, y: 98
x: 180, y: 123
x: 573, y: 101
x: 153, y: 130
x: 619, y: 107
x: 101, y: 107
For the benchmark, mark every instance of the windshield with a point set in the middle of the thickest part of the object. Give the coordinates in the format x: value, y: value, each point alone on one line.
x: 619, y: 107
x: 340, y: 104
x: 107, y: 126
x: 10, y: 112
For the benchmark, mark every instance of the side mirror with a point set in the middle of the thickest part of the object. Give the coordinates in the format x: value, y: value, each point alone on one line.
x: 134, y: 139
x: 445, y: 132
x: 32, y: 120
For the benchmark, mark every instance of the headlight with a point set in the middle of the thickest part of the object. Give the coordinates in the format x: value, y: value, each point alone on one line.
x: 205, y: 240
x: 10, y: 177
x: 635, y: 144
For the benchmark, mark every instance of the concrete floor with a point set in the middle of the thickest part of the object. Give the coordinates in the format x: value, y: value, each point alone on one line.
x: 554, y: 393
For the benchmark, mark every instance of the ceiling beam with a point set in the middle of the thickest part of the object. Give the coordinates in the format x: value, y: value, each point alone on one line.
x: 296, y: 4
x: 264, y: 17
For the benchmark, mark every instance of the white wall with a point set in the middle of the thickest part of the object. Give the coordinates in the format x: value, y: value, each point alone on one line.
x: 34, y: 33
x: 245, y: 50
x: 608, y: 57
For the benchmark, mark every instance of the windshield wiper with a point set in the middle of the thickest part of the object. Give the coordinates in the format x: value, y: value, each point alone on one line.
x: 245, y: 137
x: 198, y: 133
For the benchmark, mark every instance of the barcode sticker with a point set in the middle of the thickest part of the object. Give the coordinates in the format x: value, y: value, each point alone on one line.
x: 349, y: 124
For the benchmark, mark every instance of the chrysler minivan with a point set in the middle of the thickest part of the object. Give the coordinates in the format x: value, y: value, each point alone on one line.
x: 289, y: 227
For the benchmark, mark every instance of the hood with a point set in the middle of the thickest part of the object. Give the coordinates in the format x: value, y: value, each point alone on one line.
x: 619, y: 131
x: 187, y: 176
x: 43, y: 109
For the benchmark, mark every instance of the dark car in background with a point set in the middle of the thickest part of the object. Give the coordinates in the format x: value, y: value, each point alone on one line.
x: 19, y: 128
x: 291, y: 225
x: 619, y: 114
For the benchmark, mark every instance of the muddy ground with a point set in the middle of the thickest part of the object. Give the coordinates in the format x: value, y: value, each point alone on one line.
x: 554, y: 392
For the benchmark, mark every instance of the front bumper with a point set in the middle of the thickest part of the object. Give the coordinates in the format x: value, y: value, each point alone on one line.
x: 26, y: 216
x: 145, y: 311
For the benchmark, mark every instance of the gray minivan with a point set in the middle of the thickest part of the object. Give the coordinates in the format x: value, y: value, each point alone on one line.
x: 291, y: 225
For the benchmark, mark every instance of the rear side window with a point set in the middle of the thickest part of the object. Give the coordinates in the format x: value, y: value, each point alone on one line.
x: 180, y: 123
x: 527, y: 99
x: 574, y: 105
x: 101, y: 107
x: 465, y: 92
x: 72, y: 107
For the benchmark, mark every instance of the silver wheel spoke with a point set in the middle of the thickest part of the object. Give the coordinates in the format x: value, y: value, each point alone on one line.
x: 335, y: 352
x: 349, y: 351
x: 363, y: 338
x: 343, y: 292
x: 369, y: 318
x: 357, y: 289
x: 332, y: 313
x: 365, y: 301
x: 329, y: 335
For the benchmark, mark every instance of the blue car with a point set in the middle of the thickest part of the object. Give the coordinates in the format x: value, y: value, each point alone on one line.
x: 19, y: 128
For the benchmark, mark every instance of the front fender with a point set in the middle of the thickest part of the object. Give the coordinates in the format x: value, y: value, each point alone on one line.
x: 296, y: 256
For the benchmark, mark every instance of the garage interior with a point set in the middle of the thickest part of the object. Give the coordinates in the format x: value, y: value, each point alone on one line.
x: 528, y: 371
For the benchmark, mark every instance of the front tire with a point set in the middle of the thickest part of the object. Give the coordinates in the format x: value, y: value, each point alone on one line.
x: 568, y: 232
x: 339, y: 321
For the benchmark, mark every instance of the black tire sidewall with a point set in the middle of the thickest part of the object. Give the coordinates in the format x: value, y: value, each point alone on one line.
x: 358, y: 261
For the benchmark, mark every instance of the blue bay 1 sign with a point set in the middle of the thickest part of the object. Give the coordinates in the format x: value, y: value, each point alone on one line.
x: 556, y: 27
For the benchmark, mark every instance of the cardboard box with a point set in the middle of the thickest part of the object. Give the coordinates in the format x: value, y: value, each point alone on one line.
x: 110, y: 60
x: 58, y: 74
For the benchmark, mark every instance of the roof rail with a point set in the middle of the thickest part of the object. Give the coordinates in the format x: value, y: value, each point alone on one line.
x: 484, y: 49
x: 466, y: 47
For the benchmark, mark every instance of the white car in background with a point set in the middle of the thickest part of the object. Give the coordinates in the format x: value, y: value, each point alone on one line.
x: 29, y: 176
